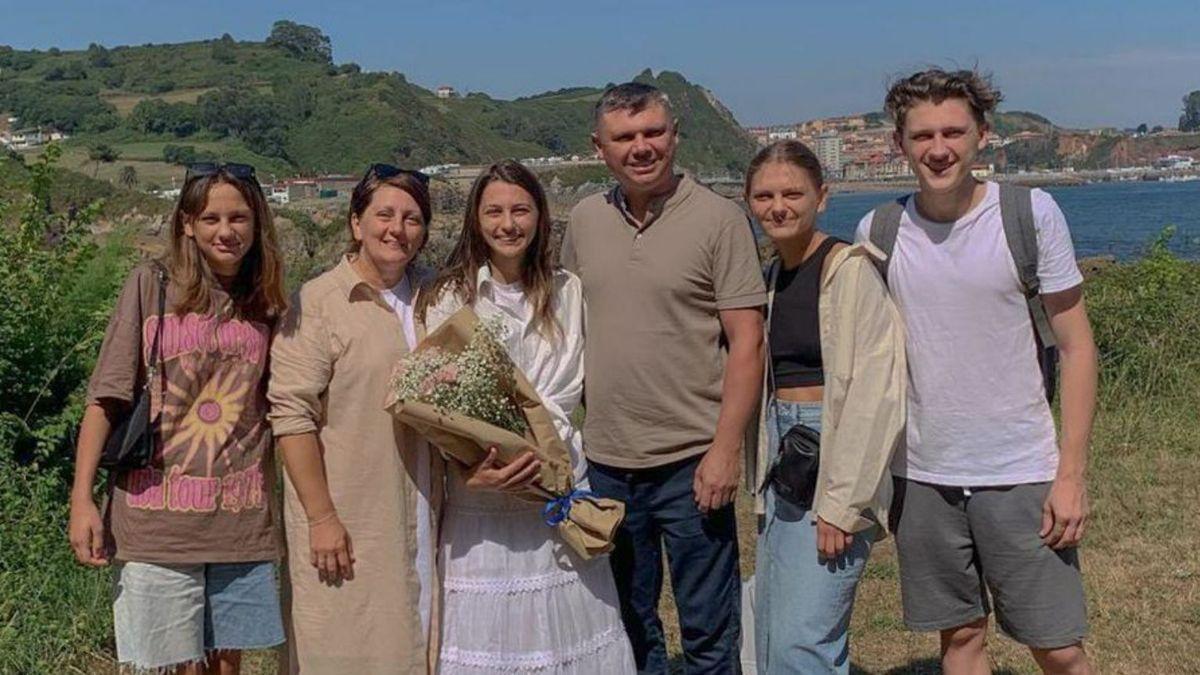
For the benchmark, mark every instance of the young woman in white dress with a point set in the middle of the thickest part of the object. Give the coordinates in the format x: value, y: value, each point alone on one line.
x: 515, y: 598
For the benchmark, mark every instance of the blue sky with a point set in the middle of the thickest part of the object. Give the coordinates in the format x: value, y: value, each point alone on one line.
x: 1080, y: 64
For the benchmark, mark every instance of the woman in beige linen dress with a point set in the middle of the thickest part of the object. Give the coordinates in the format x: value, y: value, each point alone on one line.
x: 356, y: 511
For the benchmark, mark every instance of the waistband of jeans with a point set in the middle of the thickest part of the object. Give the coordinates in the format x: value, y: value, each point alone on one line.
x: 797, y: 405
x: 650, y: 471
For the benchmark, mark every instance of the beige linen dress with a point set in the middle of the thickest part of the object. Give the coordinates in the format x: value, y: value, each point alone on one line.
x: 330, y: 364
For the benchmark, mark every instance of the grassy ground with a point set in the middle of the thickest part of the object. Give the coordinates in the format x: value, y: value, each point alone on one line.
x: 1140, y: 559
x: 125, y: 101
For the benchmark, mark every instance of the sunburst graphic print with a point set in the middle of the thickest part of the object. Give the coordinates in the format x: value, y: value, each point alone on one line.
x: 210, y: 417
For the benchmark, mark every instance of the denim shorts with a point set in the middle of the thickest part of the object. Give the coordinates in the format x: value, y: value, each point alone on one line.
x: 168, y: 614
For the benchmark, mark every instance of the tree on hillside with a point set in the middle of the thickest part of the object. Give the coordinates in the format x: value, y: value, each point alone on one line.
x: 223, y: 50
x: 156, y: 116
x: 128, y: 178
x: 72, y: 71
x: 1190, y: 121
x: 102, y: 152
x: 98, y: 56
x: 1142, y: 128
x: 303, y: 42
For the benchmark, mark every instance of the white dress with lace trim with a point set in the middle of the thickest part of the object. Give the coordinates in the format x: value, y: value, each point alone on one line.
x: 515, y: 598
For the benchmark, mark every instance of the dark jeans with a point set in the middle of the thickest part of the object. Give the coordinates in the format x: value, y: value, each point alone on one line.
x: 702, y: 554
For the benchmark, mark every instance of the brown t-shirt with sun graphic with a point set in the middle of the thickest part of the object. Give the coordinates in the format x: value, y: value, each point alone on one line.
x: 208, y: 493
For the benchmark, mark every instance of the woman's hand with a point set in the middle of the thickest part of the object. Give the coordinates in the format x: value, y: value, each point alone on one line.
x: 831, y: 541
x: 512, y: 477
x: 86, y: 533
x: 332, y: 553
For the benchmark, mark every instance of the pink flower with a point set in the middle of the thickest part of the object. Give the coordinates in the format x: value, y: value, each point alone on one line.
x: 447, y: 374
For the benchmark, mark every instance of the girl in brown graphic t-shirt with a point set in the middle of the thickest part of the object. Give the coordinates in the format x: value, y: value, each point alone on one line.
x: 192, y: 532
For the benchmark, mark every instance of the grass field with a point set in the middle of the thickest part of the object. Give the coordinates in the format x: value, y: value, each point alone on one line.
x: 125, y: 101
x: 1140, y: 559
x: 146, y: 157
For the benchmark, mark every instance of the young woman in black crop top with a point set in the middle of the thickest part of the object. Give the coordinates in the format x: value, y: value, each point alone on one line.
x: 810, y: 560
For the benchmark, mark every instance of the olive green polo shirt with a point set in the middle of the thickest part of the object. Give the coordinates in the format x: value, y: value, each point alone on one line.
x: 654, y: 358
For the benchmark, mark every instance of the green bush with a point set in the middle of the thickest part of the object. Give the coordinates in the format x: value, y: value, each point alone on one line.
x: 58, y: 285
x: 1146, y: 318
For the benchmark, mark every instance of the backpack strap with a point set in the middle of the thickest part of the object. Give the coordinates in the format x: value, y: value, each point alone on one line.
x: 1016, y: 213
x: 885, y: 225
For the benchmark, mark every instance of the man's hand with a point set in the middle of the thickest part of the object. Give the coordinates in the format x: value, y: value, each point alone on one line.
x: 512, y: 477
x: 1064, y: 513
x: 717, y: 477
x: 831, y: 541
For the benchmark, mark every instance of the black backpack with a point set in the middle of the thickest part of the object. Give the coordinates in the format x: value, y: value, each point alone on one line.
x: 1016, y: 213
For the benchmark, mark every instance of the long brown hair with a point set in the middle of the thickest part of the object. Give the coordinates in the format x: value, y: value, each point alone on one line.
x: 257, y: 291
x: 459, y: 272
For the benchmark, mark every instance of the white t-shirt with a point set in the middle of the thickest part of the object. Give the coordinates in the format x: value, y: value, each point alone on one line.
x: 977, y: 411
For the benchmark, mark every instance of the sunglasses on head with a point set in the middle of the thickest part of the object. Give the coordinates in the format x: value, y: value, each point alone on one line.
x: 386, y: 171
x: 202, y: 169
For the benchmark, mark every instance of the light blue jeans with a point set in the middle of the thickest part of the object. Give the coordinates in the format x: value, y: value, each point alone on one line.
x: 803, y: 603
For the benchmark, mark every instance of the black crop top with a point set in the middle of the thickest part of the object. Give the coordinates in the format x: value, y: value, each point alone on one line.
x: 795, y: 330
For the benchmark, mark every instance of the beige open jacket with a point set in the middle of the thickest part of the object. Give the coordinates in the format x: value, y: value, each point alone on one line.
x: 863, y: 409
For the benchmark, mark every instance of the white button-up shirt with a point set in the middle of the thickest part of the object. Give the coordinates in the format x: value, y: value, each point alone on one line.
x: 553, y: 364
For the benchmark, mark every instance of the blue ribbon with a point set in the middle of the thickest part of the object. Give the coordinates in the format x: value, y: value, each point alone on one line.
x: 558, y: 509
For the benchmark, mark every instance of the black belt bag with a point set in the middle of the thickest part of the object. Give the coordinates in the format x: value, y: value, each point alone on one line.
x: 793, y: 476
x: 794, y: 472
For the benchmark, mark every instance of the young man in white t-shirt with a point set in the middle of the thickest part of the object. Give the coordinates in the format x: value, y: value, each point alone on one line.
x: 987, y: 497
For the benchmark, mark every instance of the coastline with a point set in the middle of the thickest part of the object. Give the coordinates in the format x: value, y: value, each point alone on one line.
x: 1040, y: 180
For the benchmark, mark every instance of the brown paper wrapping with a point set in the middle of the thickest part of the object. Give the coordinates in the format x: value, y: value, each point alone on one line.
x: 592, y: 522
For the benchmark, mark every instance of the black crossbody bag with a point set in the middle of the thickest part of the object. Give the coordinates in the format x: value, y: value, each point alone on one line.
x: 793, y: 475
x: 130, y: 443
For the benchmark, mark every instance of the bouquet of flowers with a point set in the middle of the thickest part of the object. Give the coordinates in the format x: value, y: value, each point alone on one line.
x: 460, y: 390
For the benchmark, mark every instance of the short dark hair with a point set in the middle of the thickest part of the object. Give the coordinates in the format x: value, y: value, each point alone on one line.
x: 632, y: 96
x: 937, y: 85
x: 791, y: 152
x: 361, y: 197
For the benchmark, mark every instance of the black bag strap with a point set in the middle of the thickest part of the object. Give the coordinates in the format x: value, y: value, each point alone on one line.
x: 772, y: 277
x: 156, y: 346
x: 885, y: 225
x: 1016, y: 212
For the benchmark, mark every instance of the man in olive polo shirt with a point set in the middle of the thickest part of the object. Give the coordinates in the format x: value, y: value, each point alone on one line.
x: 673, y: 365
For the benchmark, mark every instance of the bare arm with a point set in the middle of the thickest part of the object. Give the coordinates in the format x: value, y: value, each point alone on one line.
x: 1066, y: 510
x: 86, y: 527
x: 717, y: 476
x: 331, y: 550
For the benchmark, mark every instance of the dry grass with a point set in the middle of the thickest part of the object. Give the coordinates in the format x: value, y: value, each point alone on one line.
x: 125, y: 101
x: 1141, y: 563
x: 1141, y: 568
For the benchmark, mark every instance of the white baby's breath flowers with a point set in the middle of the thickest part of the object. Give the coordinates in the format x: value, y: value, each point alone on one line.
x: 477, y: 382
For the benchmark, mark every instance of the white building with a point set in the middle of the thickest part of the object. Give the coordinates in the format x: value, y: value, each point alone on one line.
x: 829, y: 151
x: 1175, y: 162
x: 445, y: 91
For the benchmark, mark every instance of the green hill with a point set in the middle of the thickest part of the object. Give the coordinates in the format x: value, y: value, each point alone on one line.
x: 284, y: 105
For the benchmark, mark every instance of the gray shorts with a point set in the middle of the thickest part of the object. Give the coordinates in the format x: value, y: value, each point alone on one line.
x: 956, y: 545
